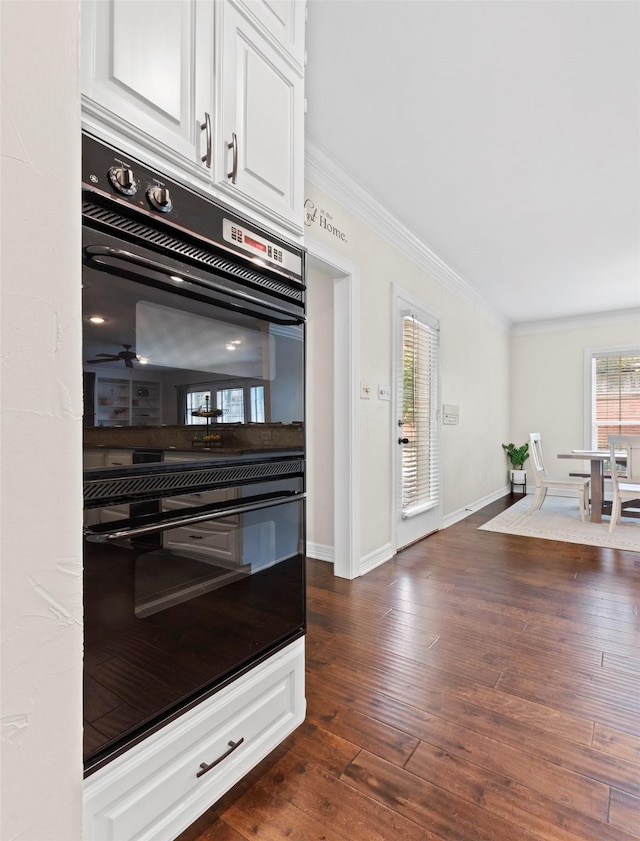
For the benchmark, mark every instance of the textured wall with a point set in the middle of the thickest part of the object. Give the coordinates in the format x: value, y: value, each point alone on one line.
x: 41, y: 423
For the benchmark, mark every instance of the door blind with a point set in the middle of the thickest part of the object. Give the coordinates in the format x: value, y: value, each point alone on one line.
x: 420, y: 462
x: 616, y: 396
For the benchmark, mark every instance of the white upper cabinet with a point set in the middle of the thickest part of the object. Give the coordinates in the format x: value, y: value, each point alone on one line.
x: 210, y: 90
x: 262, y: 143
x: 147, y: 74
x: 283, y: 19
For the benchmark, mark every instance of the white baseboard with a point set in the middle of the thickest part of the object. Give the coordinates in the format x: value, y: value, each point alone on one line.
x: 376, y: 558
x: 320, y: 552
x: 457, y: 516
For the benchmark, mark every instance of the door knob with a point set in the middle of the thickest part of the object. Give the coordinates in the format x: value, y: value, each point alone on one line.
x: 403, y: 440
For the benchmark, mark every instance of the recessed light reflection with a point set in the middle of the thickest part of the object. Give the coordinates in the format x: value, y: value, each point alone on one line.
x: 96, y: 319
x: 176, y: 278
x: 143, y: 360
x: 231, y: 347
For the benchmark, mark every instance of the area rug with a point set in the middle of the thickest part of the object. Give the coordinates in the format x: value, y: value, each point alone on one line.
x: 559, y: 519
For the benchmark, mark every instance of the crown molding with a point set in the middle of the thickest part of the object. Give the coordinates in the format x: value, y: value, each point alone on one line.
x: 328, y: 176
x: 596, y: 319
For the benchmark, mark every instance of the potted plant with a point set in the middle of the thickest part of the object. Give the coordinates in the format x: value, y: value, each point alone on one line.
x: 517, y: 457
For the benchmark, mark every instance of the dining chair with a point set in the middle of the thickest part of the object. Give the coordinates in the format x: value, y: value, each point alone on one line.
x: 625, y: 474
x: 544, y: 482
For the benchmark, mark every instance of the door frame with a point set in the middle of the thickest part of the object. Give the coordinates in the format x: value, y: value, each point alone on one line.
x: 399, y: 294
x: 346, y: 408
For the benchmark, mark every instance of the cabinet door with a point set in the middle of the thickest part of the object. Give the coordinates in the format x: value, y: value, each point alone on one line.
x: 262, y: 144
x: 283, y: 19
x: 141, y: 60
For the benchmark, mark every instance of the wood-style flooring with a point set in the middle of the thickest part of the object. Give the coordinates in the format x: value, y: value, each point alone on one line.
x: 477, y: 687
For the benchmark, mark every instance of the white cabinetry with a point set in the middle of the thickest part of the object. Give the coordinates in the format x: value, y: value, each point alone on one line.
x: 214, y: 541
x: 262, y: 141
x: 158, y: 788
x: 125, y: 402
x: 147, y: 74
x: 209, y: 91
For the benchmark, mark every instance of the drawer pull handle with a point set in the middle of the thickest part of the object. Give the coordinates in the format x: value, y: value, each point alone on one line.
x: 203, y: 765
x: 195, y: 537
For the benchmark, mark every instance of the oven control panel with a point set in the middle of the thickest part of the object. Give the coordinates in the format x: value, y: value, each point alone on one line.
x: 122, y: 179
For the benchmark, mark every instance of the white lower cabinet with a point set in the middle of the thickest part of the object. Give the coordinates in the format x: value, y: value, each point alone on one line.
x: 153, y: 791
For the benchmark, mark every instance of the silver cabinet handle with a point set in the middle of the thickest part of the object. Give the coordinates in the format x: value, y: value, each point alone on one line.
x: 206, y: 127
x: 234, y: 164
x: 203, y: 765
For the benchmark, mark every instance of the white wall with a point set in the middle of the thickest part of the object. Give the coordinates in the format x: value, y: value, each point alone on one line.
x: 475, y: 352
x: 41, y: 413
x: 547, y: 383
x: 319, y: 419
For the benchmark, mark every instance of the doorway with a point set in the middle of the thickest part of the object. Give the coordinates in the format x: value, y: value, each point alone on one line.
x: 333, y: 410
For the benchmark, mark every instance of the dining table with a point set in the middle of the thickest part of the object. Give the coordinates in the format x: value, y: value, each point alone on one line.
x: 597, y: 459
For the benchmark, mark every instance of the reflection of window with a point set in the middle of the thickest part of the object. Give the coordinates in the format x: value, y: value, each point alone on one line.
x: 256, y: 399
x: 231, y: 401
x: 237, y: 402
x: 197, y: 400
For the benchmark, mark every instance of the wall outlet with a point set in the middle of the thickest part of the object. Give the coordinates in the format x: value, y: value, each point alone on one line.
x: 384, y: 392
x: 365, y: 391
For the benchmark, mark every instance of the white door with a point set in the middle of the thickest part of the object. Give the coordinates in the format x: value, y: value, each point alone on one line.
x: 261, y: 151
x: 416, y: 427
x: 140, y: 64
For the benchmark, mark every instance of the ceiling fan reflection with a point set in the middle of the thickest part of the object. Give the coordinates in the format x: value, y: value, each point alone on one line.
x: 127, y: 356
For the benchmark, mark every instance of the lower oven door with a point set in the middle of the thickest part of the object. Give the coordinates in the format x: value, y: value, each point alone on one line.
x: 175, y: 609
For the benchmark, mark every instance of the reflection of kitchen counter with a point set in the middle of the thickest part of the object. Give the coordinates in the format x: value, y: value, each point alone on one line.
x: 235, y: 438
x: 204, y: 451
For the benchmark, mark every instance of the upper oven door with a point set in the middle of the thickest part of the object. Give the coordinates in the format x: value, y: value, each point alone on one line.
x: 179, y: 357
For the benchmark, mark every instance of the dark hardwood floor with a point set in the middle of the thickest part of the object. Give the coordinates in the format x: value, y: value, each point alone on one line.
x: 477, y: 687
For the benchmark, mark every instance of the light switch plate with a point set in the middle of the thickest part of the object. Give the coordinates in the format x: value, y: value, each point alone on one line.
x: 384, y: 392
x: 365, y: 391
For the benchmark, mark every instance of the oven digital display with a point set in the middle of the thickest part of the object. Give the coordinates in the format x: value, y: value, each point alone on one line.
x: 258, y: 246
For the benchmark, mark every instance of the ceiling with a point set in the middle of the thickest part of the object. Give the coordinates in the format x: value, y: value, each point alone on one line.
x: 505, y: 134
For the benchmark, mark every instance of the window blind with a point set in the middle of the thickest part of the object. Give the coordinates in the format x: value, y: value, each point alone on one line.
x: 420, y: 362
x: 616, y: 396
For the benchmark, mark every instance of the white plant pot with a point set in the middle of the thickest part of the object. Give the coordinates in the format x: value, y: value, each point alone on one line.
x: 519, y: 477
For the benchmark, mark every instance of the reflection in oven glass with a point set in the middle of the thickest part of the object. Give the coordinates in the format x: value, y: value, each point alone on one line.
x: 164, y: 579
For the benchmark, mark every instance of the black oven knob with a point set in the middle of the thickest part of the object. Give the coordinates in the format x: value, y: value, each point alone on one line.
x: 159, y: 198
x: 123, y: 180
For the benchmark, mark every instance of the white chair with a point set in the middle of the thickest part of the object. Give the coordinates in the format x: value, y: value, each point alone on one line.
x: 544, y: 483
x: 625, y: 474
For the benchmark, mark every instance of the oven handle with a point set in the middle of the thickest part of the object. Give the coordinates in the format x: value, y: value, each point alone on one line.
x: 95, y: 252
x: 188, y: 519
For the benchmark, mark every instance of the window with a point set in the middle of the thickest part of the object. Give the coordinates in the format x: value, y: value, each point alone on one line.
x: 420, y: 479
x: 256, y: 398
x: 615, y: 395
x: 237, y: 402
x: 197, y: 400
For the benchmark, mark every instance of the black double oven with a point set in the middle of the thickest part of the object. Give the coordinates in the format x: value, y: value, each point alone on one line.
x: 194, y: 448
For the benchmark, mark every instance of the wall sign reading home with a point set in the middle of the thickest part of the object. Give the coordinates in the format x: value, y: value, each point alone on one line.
x: 316, y: 216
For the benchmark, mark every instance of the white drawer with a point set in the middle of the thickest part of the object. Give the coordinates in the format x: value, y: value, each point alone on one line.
x: 198, y: 498
x: 152, y: 793
x: 216, y: 542
x: 118, y: 458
